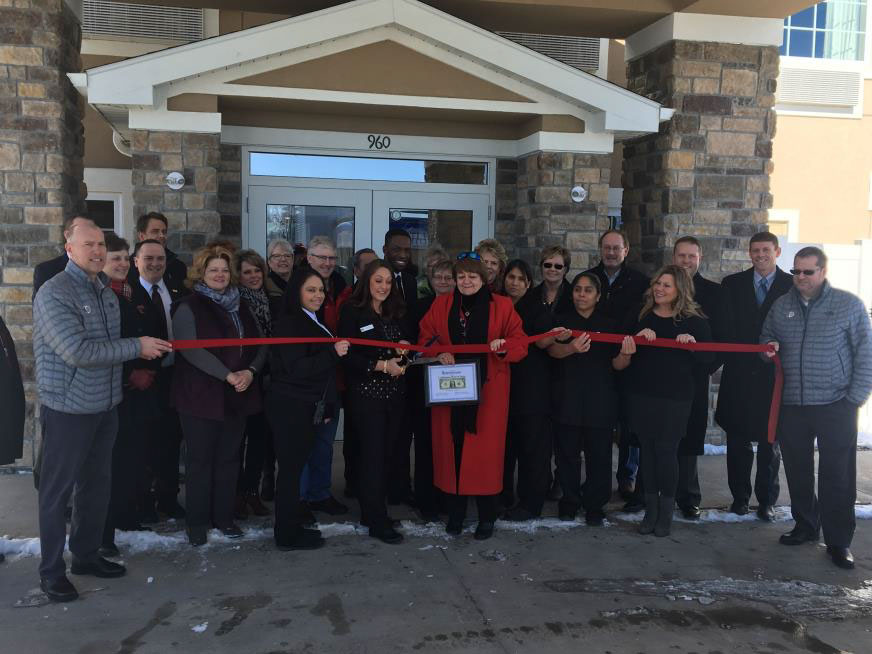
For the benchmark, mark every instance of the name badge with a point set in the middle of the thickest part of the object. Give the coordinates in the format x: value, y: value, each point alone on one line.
x: 366, y: 328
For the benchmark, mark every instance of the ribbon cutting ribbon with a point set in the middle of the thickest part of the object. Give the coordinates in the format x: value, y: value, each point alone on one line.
x: 484, y: 348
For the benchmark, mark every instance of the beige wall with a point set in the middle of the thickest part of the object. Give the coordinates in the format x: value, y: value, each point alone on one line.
x: 99, y: 150
x: 822, y: 168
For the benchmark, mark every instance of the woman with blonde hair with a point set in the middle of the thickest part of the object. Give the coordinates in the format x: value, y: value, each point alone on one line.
x: 661, y: 387
x: 493, y: 256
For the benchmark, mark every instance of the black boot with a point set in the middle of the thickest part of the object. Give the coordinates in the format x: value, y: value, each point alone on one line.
x: 647, y: 524
x: 665, y: 510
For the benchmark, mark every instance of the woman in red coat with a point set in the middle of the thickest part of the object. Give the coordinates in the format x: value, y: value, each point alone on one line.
x: 469, y: 440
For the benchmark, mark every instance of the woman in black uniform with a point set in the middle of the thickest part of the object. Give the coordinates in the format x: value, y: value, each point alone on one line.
x: 661, y: 388
x: 586, y: 402
x: 376, y: 387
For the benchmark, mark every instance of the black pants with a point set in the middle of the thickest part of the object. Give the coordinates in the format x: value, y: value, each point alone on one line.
x: 350, y: 451
x: 128, y: 473
x: 400, y: 467
x: 163, y: 444
x: 251, y: 453
x: 835, y: 427
x: 426, y: 493
x: 660, y: 425
x: 530, y: 439
x: 740, y: 460
x: 688, y: 492
x: 486, y: 505
x: 211, y: 468
x: 293, y: 437
x: 77, y: 460
x: 597, y: 446
x: 377, y: 424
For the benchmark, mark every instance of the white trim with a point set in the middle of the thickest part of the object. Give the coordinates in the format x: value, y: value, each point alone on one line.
x: 113, y: 184
x: 175, y: 121
x: 603, y: 70
x: 854, y: 111
x: 705, y: 27
x: 210, y: 23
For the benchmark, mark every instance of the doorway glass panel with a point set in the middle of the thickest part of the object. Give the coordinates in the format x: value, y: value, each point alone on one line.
x: 449, y: 228
x: 298, y: 223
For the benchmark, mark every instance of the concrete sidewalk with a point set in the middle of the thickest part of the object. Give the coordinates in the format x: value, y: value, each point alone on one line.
x: 709, y: 588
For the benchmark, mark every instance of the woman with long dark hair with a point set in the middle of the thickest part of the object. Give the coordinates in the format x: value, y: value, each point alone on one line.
x: 469, y: 440
x: 661, y: 388
x: 376, y: 387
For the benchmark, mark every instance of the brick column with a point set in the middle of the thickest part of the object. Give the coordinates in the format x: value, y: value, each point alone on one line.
x: 542, y: 213
x: 41, y: 149
x: 707, y: 172
x: 192, y: 211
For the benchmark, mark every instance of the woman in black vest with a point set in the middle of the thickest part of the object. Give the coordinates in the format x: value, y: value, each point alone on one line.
x: 586, y: 402
x: 212, y: 390
x: 302, y: 395
x: 376, y: 387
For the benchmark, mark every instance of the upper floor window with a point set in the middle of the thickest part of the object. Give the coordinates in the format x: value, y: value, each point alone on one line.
x: 835, y: 29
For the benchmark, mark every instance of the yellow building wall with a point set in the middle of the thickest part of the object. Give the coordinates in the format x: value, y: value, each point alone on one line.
x: 822, y: 169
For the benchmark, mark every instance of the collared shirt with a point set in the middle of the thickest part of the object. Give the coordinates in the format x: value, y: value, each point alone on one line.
x: 314, y: 317
x: 167, y: 302
x: 612, y: 278
x: 769, y: 279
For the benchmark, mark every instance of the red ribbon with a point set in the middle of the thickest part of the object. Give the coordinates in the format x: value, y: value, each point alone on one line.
x: 483, y: 348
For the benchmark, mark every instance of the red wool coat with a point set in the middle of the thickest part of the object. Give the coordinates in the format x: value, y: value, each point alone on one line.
x: 481, y: 466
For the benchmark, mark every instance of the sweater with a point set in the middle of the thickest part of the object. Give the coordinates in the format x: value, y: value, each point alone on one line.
x: 825, y: 347
x: 77, y: 343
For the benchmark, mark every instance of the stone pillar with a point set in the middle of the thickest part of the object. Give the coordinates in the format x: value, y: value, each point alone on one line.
x: 230, y: 192
x: 542, y: 213
x: 706, y: 173
x: 41, y: 149
x: 192, y: 211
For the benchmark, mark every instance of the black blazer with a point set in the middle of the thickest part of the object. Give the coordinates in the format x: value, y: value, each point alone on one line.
x: 12, y: 392
x: 139, y: 317
x: 304, y: 372
x: 530, y: 392
x: 48, y: 269
x: 359, y: 363
x: 622, y: 300
x: 746, y: 382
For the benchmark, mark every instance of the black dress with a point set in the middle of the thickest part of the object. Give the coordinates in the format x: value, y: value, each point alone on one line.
x: 12, y: 392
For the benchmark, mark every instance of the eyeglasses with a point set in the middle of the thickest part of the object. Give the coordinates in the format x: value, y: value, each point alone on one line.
x: 556, y: 266
x: 796, y: 272
x: 325, y: 258
x: 468, y: 255
x: 281, y: 256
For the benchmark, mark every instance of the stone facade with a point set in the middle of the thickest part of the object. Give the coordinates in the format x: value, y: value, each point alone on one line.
x: 41, y: 149
x: 534, y: 208
x: 230, y: 192
x: 707, y: 172
x: 192, y: 211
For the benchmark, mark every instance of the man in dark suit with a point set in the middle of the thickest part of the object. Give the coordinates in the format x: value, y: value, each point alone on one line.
x: 154, y: 226
x: 48, y: 269
x: 687, y: 254
x: 398, y: 253
x: 746, y: 383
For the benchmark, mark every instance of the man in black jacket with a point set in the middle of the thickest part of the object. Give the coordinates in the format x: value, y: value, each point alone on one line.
x: 687, y: 254
x: 154, y: 226
x: 47, y: 269
x: 746, y: 382
x: 620, y: 300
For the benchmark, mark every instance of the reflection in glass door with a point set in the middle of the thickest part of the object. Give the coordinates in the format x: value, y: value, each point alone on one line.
x: 297, y: 223
x: 450, y: 229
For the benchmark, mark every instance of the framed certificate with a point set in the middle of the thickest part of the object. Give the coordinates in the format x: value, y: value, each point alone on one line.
x: 455, y: 384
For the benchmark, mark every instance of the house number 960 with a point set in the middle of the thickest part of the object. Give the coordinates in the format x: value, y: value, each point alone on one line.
x: 379, y: 142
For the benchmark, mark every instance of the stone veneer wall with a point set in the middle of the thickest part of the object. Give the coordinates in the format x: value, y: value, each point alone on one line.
x: 534, y: 208
x: 230, y: 192
x: 707, y: 172
x: 41, y: 149
x: 192, y: 211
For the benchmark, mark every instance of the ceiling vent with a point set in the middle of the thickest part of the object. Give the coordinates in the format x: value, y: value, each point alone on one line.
x: 104, y: 19
x: 582, y: 52
x: 811, y: 86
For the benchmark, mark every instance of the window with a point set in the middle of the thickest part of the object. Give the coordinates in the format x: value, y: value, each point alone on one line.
x: 835, y: 29
x: 102, y: 212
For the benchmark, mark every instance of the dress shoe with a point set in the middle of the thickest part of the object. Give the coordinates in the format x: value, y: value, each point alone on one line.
x: 454, y: 527
x: 308, y: 539
x: 257, y: 507
x: 841, y: 556
x: 594, y: 518
x: 387, y: 535
x: 739, y: 507
x: 97, y: 567
x: 483, y: 530
x: 766, y: 512
x: 59, y: 589
x: 196, y: 536
x: 329, y: 505
x: 133, y: 526
x: 109, y: 550
x: 626, y: 489
x: 690, y: 512
x: 555, y: 492
x: 240, y: 508
x: 519, y: 514
x: 231, y: 531
x: 633, y: 505
x: 268, y: 487
x: 797, y: 536
x: 172, y: 509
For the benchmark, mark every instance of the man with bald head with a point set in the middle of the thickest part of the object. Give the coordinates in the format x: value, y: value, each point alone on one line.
x: 79, y: 354
x: 48, y: 269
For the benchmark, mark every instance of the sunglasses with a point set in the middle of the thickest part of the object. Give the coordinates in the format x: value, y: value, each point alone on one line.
x: 468, y: 255
x: 556, y: 266
x: 796, y: 272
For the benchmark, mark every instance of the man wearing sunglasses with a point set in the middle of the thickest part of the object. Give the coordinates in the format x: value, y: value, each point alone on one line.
x: 824, y: 339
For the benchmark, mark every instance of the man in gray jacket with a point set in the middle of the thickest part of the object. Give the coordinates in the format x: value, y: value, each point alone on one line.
x: 79, y: 352
x: 824, y: 338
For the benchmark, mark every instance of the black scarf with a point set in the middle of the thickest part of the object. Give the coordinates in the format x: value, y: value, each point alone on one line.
x: 468, y: 323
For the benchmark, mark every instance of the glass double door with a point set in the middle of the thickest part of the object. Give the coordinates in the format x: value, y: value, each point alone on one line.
x: 359, y: 218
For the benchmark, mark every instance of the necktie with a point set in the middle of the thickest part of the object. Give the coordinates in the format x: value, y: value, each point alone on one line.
x: 399, y: 279
x: 157, y: 300
x: 762, y: 289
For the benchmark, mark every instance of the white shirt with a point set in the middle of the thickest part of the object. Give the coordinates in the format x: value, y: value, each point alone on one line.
x: 167, y: 301
x: 314, y: 317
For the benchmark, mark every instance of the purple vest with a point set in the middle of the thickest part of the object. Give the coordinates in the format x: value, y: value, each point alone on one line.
x: 197, y: 394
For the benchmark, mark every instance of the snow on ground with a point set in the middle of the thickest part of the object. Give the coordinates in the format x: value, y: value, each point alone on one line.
x: 864, y: 440
x: 782, y: 514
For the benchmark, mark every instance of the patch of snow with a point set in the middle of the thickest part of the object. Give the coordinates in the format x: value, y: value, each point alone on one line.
x: 714, y: 450
x: 149, y: 580
x: 200, y: 628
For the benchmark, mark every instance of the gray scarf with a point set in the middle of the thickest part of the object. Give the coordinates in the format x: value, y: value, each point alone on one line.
x: 228, y: 300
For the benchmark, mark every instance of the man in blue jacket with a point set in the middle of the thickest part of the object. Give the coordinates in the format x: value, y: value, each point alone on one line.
x: 824, y: 338
x: 79, y: 353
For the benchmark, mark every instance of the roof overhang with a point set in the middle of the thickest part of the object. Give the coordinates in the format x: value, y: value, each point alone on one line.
x: 136, y: 93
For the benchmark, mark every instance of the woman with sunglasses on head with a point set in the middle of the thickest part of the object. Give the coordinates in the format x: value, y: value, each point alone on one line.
x: 586, y: 402
x: 469, y: 440
x: 376, y: 387
x: 661, y: 386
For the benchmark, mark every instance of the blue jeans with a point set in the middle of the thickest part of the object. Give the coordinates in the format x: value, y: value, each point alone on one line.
x: 315, y: 481
x: 628, y: 458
